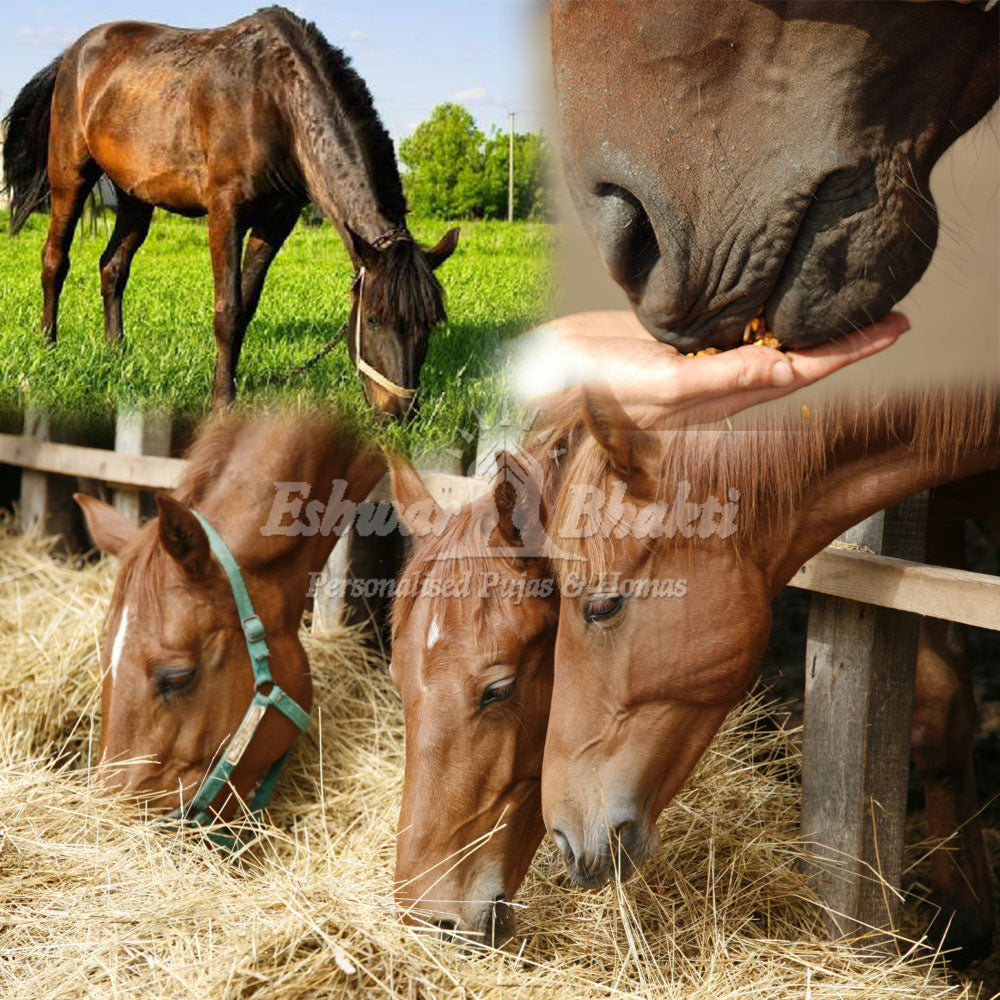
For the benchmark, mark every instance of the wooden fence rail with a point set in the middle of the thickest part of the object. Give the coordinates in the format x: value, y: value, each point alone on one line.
x: 854, y: 574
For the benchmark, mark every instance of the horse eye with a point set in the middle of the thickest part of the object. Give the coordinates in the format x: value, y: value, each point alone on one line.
x: 171, y: 680
x: 601, y: 607
x: 498, y: 691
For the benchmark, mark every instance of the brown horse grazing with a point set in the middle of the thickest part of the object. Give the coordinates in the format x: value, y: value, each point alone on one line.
x: 473, y: 634
x: 245, y: 123
x: 178, y: 676
x: 729, y: 156
x: 643, y: 680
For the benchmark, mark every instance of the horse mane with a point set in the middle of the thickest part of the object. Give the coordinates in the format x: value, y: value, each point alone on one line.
x: 355, y: 99
x: 143, y: 562
x: 408, y: 293
x: 772, y: 455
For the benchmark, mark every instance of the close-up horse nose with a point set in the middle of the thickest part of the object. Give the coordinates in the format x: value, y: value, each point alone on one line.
x: 604, y: 854
x: 625, y: 237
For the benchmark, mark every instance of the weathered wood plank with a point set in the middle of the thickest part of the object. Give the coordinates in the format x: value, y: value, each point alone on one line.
x: 936, y: 591
x: 860, y: 663
x: 142, y: 471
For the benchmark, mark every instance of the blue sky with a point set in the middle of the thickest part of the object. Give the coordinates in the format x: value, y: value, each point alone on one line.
x: 414, y: 54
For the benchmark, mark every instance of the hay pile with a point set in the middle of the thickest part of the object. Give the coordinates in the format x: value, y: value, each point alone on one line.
x: 96, y: 904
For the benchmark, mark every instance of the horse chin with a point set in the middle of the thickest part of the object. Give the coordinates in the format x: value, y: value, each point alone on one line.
x: 849, y: 264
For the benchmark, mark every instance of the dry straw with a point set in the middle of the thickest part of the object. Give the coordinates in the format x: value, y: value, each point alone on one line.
x: 96, y: 903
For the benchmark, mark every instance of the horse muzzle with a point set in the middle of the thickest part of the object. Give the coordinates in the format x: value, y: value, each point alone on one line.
x: 476, y: 923
x: 606, y: 850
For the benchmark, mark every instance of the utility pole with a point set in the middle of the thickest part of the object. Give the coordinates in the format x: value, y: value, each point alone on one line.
x: 510, y: 166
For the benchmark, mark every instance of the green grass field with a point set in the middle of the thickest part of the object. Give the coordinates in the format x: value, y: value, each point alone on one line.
x: 497, y: 286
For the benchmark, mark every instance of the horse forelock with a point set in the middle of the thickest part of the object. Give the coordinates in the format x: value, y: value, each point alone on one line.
x: 407, y: 294
x: 141, y: 581
x: 461, y: 552
x: 771, y: 457
x: 467, y: 547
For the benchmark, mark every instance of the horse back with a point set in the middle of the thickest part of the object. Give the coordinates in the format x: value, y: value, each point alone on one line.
x: 171, y: 115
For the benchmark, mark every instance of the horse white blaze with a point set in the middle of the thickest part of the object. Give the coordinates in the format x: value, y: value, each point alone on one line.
x: 119, y: 644
x: 433, y: 633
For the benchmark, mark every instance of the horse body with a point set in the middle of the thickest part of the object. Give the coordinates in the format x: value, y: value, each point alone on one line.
x: 732, y: 157
x: 245, y: 124
x: 177, y: 676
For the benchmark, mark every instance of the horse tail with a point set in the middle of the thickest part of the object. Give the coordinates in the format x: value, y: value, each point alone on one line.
x: 26, y: 145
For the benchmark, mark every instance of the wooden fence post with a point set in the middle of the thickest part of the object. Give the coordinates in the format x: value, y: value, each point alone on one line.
x: 328, y: 604
x: 372, y: 558
x: 139, y: 433
x: 46, y: 504
x: 860, y: 668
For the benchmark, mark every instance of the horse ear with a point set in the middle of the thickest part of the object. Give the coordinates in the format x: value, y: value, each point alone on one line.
x: 521, y: 511
x: 622, y: 440
x: 363, y: 250
x: 445, y: 247
x: 416, y: 508
x: 182, y: 536
x: 110, y: 529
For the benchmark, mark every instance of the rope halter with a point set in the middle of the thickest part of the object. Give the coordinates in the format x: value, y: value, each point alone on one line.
x: 393, y: 235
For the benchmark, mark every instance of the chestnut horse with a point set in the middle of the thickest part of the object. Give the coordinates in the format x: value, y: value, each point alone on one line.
x: 733, y: 156
x: 245, y: 123
x: 457, y: 656
x: 177, y: 659
x: 472, y: 644
x: 642, y: 684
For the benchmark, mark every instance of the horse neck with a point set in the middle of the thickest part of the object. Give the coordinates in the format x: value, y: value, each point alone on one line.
x: 866, y: 473
x: 338, y: 167
x: 246, y: 510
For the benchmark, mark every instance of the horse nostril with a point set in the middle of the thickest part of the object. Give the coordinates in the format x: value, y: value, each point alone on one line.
x: 563, y: 844
x: 500, y: 924
x: 447, y: 927
x: 625, y: 237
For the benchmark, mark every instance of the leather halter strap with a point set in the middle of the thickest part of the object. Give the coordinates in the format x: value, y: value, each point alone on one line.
x: 393, y: 235
x: 197, y: 809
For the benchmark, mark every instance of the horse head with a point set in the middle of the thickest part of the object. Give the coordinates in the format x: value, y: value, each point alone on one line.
x: 473, y: 632
x: 685, y: 536
x: 177, y: 672
x: 396, y: 303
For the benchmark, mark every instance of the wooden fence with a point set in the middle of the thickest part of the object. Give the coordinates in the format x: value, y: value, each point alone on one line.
x: 869, y: 588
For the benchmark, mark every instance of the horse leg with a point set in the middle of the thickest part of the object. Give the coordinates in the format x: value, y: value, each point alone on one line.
x: 265, y: 240
x: 944, y: 715
x: 67, y: 203
x: 131, y: 226
x: 225, y: 235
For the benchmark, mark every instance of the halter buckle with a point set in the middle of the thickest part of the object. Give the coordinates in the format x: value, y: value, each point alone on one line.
x: 253, y: 628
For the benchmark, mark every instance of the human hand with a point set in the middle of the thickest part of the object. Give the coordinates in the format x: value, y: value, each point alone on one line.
x: 613, y: 349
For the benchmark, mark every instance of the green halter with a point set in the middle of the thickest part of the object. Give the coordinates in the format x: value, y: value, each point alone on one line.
x: 196, y: 810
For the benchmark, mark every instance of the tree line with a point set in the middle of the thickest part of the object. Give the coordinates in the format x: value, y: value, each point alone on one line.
x: 452, y: 170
